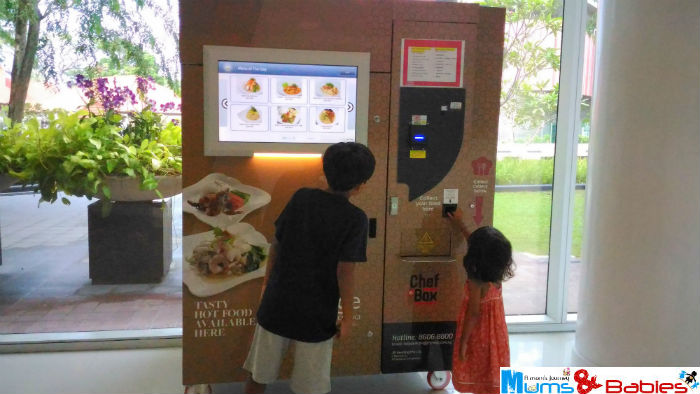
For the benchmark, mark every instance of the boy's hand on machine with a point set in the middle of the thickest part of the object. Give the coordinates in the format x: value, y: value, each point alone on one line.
x: 343, y: 327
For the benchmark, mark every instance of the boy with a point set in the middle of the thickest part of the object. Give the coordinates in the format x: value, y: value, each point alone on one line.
x: 318, y: 237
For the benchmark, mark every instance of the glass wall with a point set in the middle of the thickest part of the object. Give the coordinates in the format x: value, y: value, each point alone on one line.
x: 575, y: 265
x: 526, y: 145
x: 101, y: 110
x: 48, y: 282
x: 539, y: 209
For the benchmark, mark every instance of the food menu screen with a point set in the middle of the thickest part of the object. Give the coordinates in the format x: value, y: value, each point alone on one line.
x: 279, y: 102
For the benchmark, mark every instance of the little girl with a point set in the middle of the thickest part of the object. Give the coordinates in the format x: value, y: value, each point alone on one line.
x: 481, y: 340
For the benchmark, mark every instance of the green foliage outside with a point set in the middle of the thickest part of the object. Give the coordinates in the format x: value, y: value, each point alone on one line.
x: 528, y: 97
x: 525, y: 218
x: 11, y: 158
x: 145, y: 66
x: 75, y: 152
x: 121, y: 31
x: 515, y: 171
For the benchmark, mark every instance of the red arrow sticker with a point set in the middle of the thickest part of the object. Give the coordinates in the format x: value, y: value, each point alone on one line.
x: 478, y: 216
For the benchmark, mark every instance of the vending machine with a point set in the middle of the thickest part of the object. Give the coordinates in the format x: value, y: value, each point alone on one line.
x: 418, y: 83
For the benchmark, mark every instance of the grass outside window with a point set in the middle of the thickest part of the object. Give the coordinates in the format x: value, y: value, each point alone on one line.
x: 525, y: 217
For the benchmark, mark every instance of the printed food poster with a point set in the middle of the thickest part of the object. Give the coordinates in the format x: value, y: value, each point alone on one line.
x: 221, y: 261
x: 228, y: 229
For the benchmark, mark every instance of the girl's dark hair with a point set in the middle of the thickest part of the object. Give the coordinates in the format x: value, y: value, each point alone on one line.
x: 489, y: 257
x: 347, y: 164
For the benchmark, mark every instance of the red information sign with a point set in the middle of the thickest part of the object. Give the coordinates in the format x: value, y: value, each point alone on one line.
x: 432, y: 63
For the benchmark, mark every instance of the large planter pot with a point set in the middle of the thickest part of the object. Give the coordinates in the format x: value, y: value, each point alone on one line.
x: 7, y: 181
x: 125, y: 188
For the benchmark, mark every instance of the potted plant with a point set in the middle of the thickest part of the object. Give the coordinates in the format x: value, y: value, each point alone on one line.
x: 10, y: 156
x: 102, y: 152
x: 116, y: 155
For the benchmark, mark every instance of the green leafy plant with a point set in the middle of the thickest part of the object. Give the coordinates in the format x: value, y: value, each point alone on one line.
x: 75, y: 152
x: 10, y: 146
x: 516, y: 171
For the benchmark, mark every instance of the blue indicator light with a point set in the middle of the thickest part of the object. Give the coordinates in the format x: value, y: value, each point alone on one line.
x: 419, y: 137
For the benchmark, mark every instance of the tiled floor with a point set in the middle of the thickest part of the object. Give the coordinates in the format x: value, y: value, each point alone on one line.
x: 44, y: 278
x: 160, y: 371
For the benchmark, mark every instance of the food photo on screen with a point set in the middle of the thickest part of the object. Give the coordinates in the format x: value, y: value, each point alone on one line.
x: 289, y: 86
x: 328, y: 88
x: 288, y: 115
x: 327, y: 116
x: 252, y: 86
x: 250, y: 115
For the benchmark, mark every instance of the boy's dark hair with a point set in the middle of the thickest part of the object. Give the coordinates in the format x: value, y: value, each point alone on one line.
x: 347, y: 165
x: 489, y: 257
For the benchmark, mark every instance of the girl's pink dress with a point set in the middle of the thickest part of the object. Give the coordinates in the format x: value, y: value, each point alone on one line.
x: 487, y: 349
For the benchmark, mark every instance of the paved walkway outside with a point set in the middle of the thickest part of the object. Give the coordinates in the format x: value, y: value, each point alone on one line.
x: 44, y: 278
x: 45, y: 284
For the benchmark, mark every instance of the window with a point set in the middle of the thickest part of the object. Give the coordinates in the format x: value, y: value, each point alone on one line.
x: 575, y: 265
x: 538, y: 204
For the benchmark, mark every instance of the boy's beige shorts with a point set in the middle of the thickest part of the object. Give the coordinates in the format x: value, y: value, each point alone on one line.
x: 311, y: 373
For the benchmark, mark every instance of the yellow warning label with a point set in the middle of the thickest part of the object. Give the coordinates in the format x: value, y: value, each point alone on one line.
x: 425, y: 244
x: 417, y: 154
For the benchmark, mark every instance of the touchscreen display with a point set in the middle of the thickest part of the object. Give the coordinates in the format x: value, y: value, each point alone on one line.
x: 279, y: 102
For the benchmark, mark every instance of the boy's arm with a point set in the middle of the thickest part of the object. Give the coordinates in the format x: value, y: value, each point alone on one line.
x: 346, y: 281
x: 272, y: 255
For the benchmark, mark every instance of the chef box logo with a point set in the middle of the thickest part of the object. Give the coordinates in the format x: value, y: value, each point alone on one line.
x: 570, y: 380
x: 424, y: 289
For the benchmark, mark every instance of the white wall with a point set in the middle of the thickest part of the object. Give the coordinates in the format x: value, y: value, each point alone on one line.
x: 639, y: 301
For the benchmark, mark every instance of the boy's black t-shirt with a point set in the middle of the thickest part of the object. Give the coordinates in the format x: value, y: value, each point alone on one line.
x: 315, y: 231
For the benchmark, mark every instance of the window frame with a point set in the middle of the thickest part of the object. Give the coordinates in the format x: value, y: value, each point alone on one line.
x: 556, y: 317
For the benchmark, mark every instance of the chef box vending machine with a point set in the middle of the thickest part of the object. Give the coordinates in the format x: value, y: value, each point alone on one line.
x: 417, y: 82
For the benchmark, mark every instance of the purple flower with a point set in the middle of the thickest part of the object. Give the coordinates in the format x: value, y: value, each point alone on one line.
x: 143, y: 85
x: 113, y: 97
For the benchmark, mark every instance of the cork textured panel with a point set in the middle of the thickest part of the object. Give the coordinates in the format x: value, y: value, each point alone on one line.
x: 475, y: 191
x: 215, y: 22
x: 366, y: 336
x: 426, y: 11
x: 362, y: 26
x: 281, y: 177
x: 339, y: 25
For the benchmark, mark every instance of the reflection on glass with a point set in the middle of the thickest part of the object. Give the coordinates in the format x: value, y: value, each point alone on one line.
x: 575, y: 266
x: 527, y: 132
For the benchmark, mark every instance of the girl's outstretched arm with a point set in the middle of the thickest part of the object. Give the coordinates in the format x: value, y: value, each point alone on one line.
x: 471, y: 316
x: 458, y: 223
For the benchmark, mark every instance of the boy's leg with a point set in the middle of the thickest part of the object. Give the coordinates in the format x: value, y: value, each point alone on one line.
x: 253, y: 387
x: 312, y: 367
x: 264, y: 359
